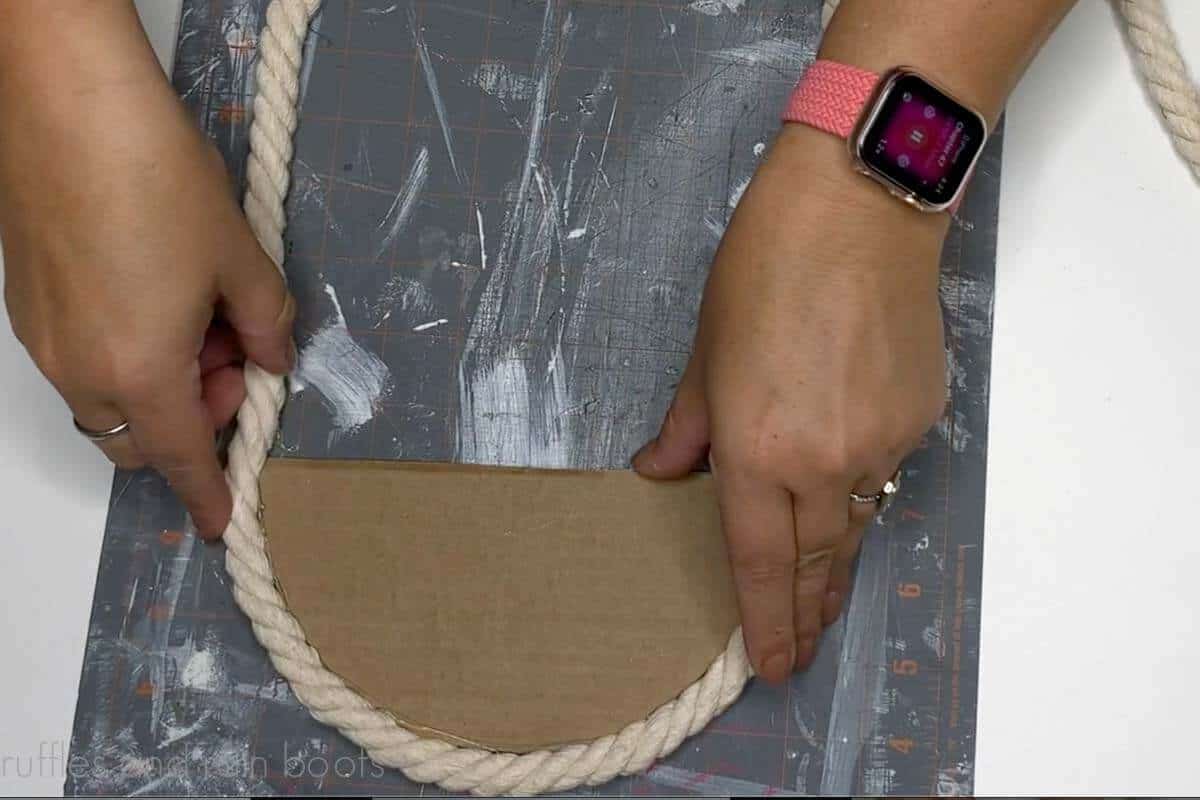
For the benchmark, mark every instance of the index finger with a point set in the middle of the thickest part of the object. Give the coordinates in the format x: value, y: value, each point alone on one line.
x: 760, y: 536
x: 174, y: 432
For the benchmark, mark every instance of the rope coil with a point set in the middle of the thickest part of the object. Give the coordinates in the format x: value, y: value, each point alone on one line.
x: 326, y: 695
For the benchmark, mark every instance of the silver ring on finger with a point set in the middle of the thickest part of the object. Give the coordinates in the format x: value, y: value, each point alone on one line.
x: 100, y: 435
x: 882, y: 499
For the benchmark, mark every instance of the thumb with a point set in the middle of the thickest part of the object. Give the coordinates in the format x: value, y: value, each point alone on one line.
x: 683, y: 440
x: 261, y: 311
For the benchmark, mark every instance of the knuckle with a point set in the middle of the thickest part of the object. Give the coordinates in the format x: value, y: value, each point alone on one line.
x: 53, y: 367
x: 751, y: 451
x: 812, y: 574
x: 60, y: 371
x: 126, y: 373
x: 757, y: 571
x: 830, y: 458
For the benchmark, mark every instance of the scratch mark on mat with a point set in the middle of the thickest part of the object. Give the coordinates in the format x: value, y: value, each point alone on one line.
x: 309, y: 56
x: 309, y: 189
x: 364, y: 154
x: 402, y: 207
x: 350, y: 379
x: 439, y: 106
x: 483, y: 259
x: 668, y: 32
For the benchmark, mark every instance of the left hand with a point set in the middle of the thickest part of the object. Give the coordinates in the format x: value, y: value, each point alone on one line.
x: 819, y: 364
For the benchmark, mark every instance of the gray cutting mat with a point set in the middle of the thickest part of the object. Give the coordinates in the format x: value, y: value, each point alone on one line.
x: 502, y: 215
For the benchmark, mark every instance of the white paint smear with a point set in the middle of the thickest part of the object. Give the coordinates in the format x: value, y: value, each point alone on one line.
x: 955, y: 431
x: 933, y: 639
x: 174, y: 733
x: 349, y: 378
x: 498, y: 80
x: 739, y: 189
x: 427, y: 325
x: 784, y: 54
x: 200, y: 671
x: 400, y: 294
x: 714, y: 8
x: 508, y: 422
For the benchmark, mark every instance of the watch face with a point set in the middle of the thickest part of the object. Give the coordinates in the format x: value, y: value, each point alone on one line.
x: 922, y: 140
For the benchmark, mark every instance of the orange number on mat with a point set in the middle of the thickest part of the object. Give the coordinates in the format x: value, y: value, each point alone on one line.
x: 901, y: 744
x: 909, y: 590
x: 904, y: 666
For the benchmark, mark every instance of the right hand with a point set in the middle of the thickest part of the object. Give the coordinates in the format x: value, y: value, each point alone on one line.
x: 130, y: 274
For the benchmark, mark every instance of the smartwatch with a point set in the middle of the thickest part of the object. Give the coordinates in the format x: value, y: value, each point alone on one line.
x: 903, y: 130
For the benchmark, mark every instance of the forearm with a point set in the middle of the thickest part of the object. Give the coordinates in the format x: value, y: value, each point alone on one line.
x: 58, y: 54
x: 978, y: 49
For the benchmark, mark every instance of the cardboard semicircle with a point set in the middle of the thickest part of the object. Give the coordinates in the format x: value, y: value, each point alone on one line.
x: 508, y: 609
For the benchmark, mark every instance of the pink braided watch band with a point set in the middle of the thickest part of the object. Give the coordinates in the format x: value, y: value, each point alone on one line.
x: 830, y: 97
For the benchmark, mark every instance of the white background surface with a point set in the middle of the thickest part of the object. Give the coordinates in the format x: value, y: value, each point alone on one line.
x: 1090, y: 568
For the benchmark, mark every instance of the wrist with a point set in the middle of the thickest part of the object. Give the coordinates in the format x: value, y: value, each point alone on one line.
x: 818, y: 164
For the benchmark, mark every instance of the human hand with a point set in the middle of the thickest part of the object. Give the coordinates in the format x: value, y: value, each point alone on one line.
x: 122, y: 240
x: 818, y: 365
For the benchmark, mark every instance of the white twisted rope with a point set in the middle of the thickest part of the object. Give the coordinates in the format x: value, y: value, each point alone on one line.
x: 1166, y: 75
x: 328, y: 698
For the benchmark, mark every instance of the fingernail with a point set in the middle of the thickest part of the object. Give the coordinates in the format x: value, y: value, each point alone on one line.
x: 293, y: 355
x: 776, y: 667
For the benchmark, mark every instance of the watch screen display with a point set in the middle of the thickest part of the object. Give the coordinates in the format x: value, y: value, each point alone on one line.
x: 923, y: 140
